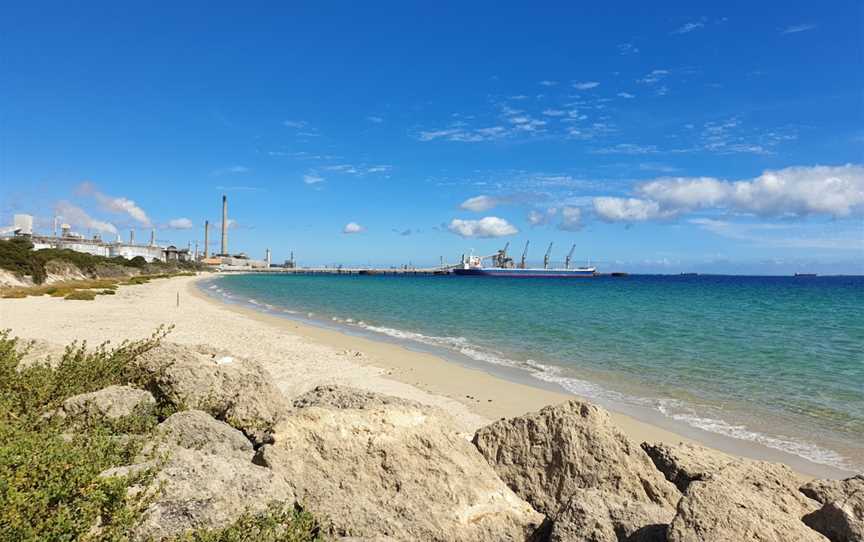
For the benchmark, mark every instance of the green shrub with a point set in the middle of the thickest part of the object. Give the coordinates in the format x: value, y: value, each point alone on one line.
x: 81, y: 295
x: 280, y: 523
x: 50, y: 487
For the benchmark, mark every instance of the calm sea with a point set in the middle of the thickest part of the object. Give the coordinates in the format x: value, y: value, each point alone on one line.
x: 775, y: 360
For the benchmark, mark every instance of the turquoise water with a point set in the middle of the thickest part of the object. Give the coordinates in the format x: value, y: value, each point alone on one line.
x: 775, y: 360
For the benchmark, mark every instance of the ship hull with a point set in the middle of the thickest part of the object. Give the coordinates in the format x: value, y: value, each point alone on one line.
x: 526, y: 273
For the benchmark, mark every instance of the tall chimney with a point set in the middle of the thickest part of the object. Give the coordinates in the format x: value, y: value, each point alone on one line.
x: 131, y: 237
x: 267, y: 257
x: 153, y: 237
x: 206, y: 238
x: 224, y: 225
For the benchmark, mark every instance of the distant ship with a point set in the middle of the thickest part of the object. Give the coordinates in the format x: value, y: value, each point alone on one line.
x: 503, y: 266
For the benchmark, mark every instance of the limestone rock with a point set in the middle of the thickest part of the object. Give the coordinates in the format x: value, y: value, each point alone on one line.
x: 197, y: 430
x: 745, y: 500
x: 112, y: 403
x: 841, y: 517
x: 205, y: 478
x: 594, y: 516
x: 684, y: 463
x: 383, y: 468
x: 547, y: 456
x: 240, y: 393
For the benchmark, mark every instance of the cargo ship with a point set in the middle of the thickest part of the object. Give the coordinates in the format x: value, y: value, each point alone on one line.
x: 504, y: 266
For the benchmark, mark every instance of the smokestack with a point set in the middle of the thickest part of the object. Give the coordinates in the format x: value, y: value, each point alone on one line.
x: 131, y: 237
x: 224, y: 225
x: 153, y: 237
x: 206, y: 238
x: 267, y: 257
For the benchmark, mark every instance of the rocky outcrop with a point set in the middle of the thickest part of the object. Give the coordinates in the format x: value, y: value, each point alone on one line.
x: 685, y: 463
x: 235, y: 390
x: 197, y: 430
x: 378, y: 467
x: 841, y: 517
x: 732, y: 499
x: 207, y: 479
x: 112, y: 403
x: 596, y: 516
x: 571, y: 462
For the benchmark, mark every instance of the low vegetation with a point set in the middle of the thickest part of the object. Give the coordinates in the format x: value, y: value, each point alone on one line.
x: 50, y: 488
x: 17, y: 255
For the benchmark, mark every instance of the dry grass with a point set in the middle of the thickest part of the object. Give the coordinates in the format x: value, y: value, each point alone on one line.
x: 83, y: 289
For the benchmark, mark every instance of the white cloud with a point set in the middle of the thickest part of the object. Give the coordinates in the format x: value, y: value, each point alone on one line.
x: 478, y: 204
x: 554, y: 112
x: 490, y: 226
x: 628, y: 209
x: 232, y: 170
x: 626, y: 95
x: 586, y: 85
x: 794, y: 29
x: 836, y: 191
x: 465, y: 134
x: 312, y: 178
x: 77, y: 217
x: 627, y: 49
x: 353, y: 227
x: 119, y: 205
x: 571, y: 219
x: 376, y: 120
x: 689, y: 27
x: 537, y: 217
x: 297, y: 124
x: 627, y: 148
x: 787, y: 235
x: 547, y: 83
x: 180, y: 224
x: 653, y: 77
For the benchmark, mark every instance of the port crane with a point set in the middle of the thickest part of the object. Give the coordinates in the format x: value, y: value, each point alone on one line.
x: 524, y: 255
x: 569, y: 257
x: 546, y: 257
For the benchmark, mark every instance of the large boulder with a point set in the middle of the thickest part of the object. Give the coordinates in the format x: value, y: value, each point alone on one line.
x: 596, y: 516
x: 841, y: 517
x: 733, y: 499
x: 378, y: 467
x: 111, y: 403
x: 236, y: 390
x: 197, y: 430
x: 684, y: 463
x: 571, y: 462
x: 205, y: 478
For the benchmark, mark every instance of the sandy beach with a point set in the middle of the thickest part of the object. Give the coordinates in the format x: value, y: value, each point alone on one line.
x: 300, y: 356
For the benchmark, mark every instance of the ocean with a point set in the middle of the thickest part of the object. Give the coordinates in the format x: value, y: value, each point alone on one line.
x: 774, y: 360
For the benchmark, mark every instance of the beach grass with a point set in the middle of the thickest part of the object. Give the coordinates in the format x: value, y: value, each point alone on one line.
x: 81, y: 289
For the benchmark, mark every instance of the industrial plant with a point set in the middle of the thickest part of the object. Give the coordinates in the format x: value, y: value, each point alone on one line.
x: 63, y: 237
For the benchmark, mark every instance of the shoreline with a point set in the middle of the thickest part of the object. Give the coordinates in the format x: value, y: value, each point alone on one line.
x: 508, y: 392
x: 300, y: 356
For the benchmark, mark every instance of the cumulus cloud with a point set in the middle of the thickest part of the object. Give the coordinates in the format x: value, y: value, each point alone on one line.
x: 538, y: 217
x: 353, y: 227
x: 571, y: 219
x: 119, y: 205
x: 78, y: 218
x: 478, y: 204
x: 612, y: 209
x: 586, y: 85
x: 490, y: 226
x: 180, y: 224
x: 836, y: 191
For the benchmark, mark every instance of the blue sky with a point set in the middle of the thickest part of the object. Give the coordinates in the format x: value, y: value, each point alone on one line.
x: 725, y: 137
